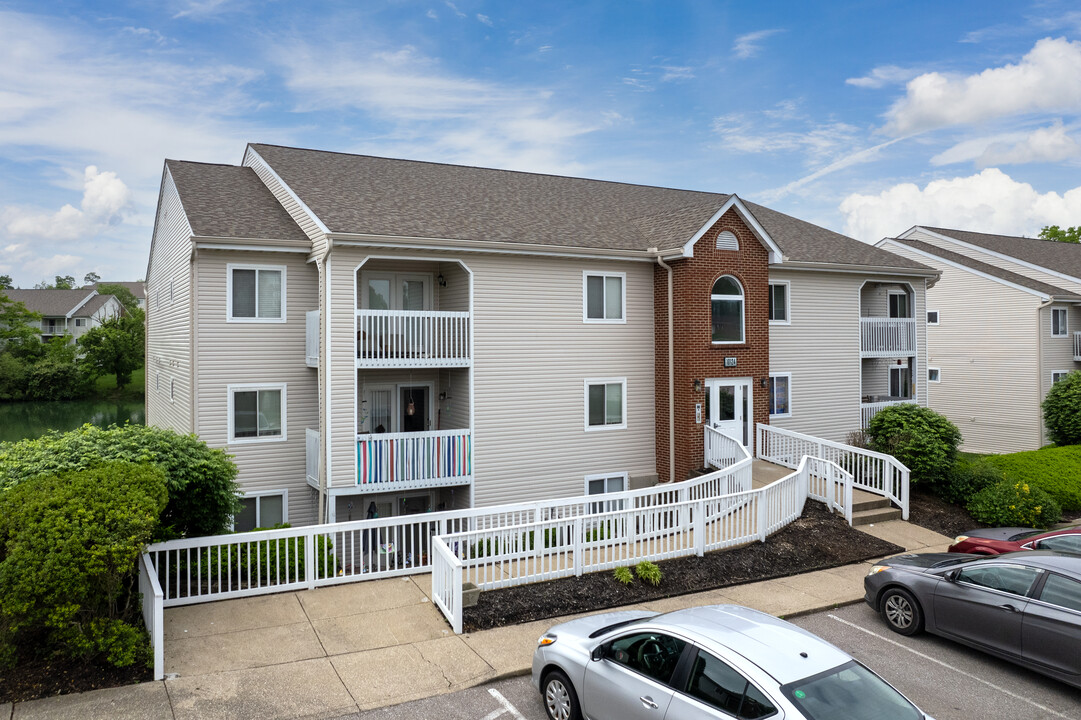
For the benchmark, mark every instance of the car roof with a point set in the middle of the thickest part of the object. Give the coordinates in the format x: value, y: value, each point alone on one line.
x: 784, y: 651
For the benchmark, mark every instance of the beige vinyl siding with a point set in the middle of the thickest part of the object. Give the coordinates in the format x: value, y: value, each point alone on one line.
x: 981, y: 255
x: 532, y: 356
x: 1056, y: 353
x: 300, y: 214
x: 168, y: 321
x: 234, y: 353
x: 985, y: 346
x: 455, y: 408
x: 821, y: 349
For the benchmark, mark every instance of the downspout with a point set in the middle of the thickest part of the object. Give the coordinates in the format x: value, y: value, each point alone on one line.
x: 671, y: 377
x: 1039, y: 368
x: 324, y: 376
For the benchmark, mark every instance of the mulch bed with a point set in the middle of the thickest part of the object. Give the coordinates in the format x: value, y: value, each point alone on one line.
x: 35, y: 679
x: 817, y: 540
x: 932, y: 512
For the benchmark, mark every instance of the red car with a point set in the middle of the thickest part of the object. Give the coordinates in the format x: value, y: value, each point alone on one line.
x: 995, y: 541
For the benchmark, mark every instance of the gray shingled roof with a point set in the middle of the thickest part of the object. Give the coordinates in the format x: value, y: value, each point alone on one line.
x: 226, y: 201
x: 138, y: 289
x: 987, y: 269
x: 360, y: 194
x: 1063, y: 257
x: 50, y: 303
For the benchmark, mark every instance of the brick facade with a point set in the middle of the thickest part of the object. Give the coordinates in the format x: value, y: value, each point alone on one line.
x: 696, y: 357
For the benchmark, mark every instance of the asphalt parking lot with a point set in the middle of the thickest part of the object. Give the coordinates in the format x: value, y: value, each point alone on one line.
x: 947, y: 680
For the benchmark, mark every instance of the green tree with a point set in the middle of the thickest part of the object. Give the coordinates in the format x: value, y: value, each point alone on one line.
x: 18, y: 326
x: 90, y: 278
x: 1062, y: 410
x: 5, y: 283
x: 126, y: 297
x: 64, y: 282
x: 925, y: 441
x: 1054, y: 232
x: 116, y: 347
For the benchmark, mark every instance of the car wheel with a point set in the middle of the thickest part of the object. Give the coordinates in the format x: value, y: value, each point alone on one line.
x: 901, y: 612
x: 560, y: 700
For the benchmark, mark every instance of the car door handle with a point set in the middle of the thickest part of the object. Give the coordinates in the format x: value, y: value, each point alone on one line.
x: 648, y: 702
x: 1009, y: 607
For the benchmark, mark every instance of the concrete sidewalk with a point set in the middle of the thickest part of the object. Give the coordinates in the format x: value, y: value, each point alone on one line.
x: 332, y: 651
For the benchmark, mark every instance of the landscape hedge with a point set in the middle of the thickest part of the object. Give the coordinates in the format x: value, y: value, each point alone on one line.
x: 1055, y: 470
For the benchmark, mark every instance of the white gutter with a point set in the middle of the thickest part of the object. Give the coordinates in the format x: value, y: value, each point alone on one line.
x: 671, y: 377
x: 506, y: 248
x: 322, y: 265
x: 1039, y: 369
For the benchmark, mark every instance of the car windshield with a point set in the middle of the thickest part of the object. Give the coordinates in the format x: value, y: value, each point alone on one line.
x: 849, y: 692
x: 958, y: 561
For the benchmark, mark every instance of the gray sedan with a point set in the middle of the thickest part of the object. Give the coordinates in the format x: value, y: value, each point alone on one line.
x: 720, y: 661
x: 1024, y: 607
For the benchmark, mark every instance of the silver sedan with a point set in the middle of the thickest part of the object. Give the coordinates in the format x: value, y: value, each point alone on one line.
x: 1024, y: 607
x: 720, y: 661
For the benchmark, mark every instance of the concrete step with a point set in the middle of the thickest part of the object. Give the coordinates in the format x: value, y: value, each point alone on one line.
x: 866, y: 517
x: 869, y: 502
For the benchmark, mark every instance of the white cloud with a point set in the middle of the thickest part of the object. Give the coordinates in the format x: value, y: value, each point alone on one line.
x: 749, y: 45
x: 197, y: 9
x: 991, y: 202
x: 454, y: 9
x: 484, y: 19
x: 882, y: 76
x: 671, y: 72
x: 773, y: 131
x: 1047, y: 79
x: 105, y: 201
x: 1052, y: 144
x: 432, y: 15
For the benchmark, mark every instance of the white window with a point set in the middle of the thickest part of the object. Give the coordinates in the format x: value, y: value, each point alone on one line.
x: 1058, y: 323
x: 603, y: 484
x: 80, y: 322
x: 934, y: 374
x: 1058, y: 375
x: 932, y: 317
x: 778, y: 303
x: 606, y: 404
x: 726, y: 308
x: 605, y: 297
x: 257, y: 413
x: 256, y: 293
x: 900, y: 382
x: 262, y: 510
x: 899, y: 305
x: 780, y: 388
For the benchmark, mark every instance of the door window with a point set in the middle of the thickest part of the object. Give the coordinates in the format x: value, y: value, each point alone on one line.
x: 1013, y: 579
x: 1062, y: 591
x: 899, y: 305
x: 1067, y: 543
x: 718, y: 685
x: 652, y: 654
x: 900, y: 382
x: 414, y: 406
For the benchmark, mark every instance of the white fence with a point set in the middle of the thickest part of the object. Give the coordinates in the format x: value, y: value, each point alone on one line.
x: 406, y: 461
x: 871, y: 471
x: 153, y: 613
x: 869, y: 410
x: 887, y: 337
x: 311, y: 338
x: 412, y: 338
x: 721, y: 450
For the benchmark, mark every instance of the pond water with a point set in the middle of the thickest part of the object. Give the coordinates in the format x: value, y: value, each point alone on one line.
x: 19, y: 420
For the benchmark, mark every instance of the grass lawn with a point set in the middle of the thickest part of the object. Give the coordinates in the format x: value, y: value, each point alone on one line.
x: 105, y: 386
x: 1056, y: 470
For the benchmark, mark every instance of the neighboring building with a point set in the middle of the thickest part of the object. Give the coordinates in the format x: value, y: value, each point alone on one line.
x: 67, y: 312
x: 413, y: 336
x: 1003, y: 325
x: 138, y: 289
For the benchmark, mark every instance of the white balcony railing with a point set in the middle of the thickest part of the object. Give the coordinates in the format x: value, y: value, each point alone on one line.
x: 887, y: 337
x: 405, y: 461
x: 311, y: 456
x: 54, y: 327
x: 311, y: 338
x: 869, y: 410
x: 412, y: 338
x: 1077, y: 346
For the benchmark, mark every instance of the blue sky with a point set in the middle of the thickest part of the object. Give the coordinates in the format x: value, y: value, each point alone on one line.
x: 864, y: 117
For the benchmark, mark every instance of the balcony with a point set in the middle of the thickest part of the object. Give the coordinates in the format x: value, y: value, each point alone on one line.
x: 887, y: 337
x: 413, y: 339
x: 1077, y: 346
x: 408, y: 461
x: 311, y: 338
x: 869, y: 410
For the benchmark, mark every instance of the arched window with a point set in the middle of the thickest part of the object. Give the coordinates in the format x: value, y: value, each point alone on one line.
x: 726, y: 300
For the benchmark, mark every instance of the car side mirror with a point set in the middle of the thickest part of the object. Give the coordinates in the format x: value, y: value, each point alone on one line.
x: 952, y: 575
x: 597, y: 654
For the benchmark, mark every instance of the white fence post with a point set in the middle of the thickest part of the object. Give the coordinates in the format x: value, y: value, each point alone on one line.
x: 153, y: 612
x: 700, y: 528
x: 577, y: 546
x: 310, y: 560
x: 761, y: 499
x: 456, y: 587
x: 904, y: 494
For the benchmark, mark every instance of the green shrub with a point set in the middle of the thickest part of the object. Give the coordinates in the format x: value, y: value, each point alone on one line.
x: 1014, y: 503
x: 68, y: 547
x: 623, y: 575
x: 201, y: 481
x: 968, y: 475
x: 1062, y: 410
x: 1055, y: 470
x: 648, y: 572
x: 925, y: 441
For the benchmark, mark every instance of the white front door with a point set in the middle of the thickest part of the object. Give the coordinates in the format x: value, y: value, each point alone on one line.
x: 730, y: 407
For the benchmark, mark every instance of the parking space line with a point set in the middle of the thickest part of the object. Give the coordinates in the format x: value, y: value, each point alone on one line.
x: 951, y: 667
x: 507, y: 707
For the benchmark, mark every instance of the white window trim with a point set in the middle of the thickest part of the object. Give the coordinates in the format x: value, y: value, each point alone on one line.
x: 231, y: 390
x: 935, y: 369
x: 770, y: 391
x: 1058, y: 372
x: 586, y: 274
x: 606, y: 476
x: 284, y: 492
x: 742, y: 312
x: 938, y: 317
x: 911, y: 310
x: 787, y: 301
x: 1065, y: 327
x: 229, y: 268
x: 889, y: 378
x: 605, y: 381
